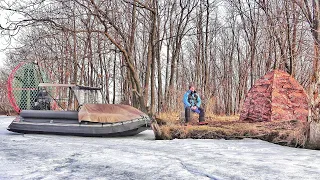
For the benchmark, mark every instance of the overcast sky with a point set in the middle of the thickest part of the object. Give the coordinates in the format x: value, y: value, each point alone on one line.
x: 3, y: 43
x: 4, y: 40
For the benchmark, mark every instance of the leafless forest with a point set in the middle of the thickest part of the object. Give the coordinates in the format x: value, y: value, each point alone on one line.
x: 146, y: 52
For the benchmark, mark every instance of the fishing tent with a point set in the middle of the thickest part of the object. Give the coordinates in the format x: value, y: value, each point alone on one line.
x: 277, y: 96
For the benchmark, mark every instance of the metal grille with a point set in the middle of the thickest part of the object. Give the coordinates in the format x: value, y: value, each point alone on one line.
x: 23, y: 85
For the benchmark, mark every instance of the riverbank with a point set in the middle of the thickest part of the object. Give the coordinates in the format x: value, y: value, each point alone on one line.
x: 288, y: 133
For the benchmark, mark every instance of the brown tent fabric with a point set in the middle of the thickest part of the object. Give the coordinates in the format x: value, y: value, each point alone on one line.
x: 277, y: 96
x: 108, y: 113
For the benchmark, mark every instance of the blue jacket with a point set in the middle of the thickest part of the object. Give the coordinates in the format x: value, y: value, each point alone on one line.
x: 191, y: 99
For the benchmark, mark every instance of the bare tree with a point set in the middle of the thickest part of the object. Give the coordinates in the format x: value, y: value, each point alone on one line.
x: 145, y: 53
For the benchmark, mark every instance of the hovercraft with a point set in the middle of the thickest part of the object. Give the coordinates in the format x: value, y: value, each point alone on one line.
x: 67, y: 109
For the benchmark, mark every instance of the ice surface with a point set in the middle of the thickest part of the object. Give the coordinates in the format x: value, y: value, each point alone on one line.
x: 141, y: 157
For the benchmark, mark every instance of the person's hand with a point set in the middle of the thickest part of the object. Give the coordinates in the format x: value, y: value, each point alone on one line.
x: 194, y: 107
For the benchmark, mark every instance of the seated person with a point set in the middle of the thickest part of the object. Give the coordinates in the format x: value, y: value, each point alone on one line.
x: 192, y: 103
x: 42, y: 101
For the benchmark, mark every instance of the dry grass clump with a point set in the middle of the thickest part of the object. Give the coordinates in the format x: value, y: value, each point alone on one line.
x: 6, y: 109
x: 168, y: 118
x: 215, y: 117
x: 177, y: 118
x: 230, y: 131
x: 289, y: 133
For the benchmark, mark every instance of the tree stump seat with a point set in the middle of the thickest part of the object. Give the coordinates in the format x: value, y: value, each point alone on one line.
x: 194, y: 117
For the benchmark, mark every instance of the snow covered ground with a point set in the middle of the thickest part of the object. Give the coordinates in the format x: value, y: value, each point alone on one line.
x: 140, y: 157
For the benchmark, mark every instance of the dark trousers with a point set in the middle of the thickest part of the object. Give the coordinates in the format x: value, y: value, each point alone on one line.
x: 188, y: 111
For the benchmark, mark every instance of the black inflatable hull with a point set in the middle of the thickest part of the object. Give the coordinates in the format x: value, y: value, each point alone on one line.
x: 66, y: 123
